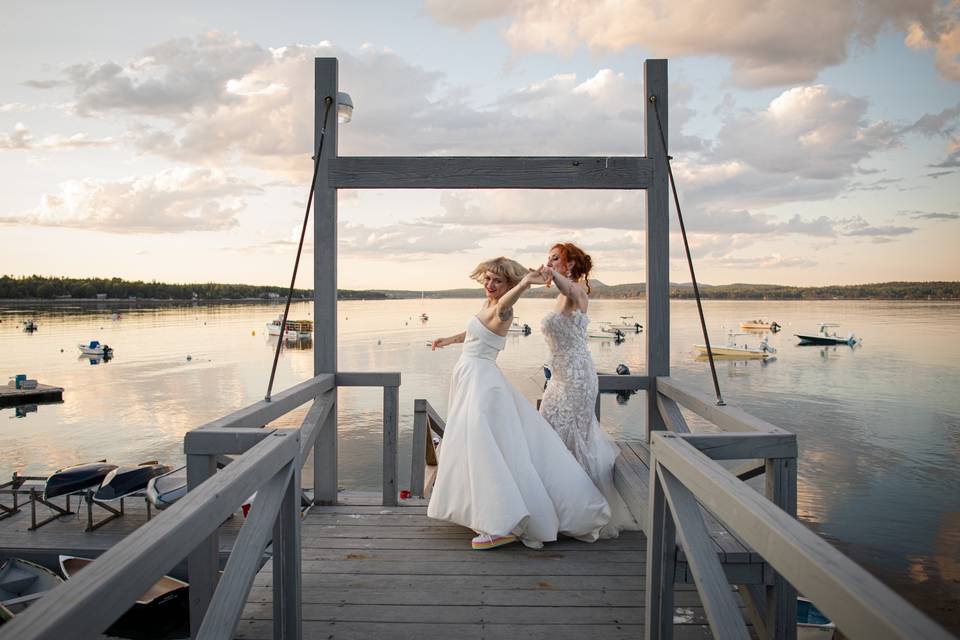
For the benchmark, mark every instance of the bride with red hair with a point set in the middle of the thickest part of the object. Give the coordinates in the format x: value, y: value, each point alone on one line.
x: 571, y: 394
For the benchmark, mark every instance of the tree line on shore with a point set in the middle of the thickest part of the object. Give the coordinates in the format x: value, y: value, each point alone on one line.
x: 52, y: 288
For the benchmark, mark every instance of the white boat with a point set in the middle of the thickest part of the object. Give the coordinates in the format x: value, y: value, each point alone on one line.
x: 733, y: 349
x: 163, y: 491
x: 517, y: 327
x: 295, y: 329
x: 95, y: 348
x: 761, y: 325
x: 600, y: 334
x: 825, y: 336
x: 22, y: 582
x: 627, y: 324
x: 812, y: 624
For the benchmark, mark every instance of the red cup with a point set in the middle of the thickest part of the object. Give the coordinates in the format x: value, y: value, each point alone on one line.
x: 404, y: 495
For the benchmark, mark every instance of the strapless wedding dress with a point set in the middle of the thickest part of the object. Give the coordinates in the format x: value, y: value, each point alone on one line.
x: 569, y: 406
x: 502, y: 469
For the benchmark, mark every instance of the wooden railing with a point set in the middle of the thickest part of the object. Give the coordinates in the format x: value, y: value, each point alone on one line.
x: 267, y: 463
x: 684, y: 475
x: 422, y: 453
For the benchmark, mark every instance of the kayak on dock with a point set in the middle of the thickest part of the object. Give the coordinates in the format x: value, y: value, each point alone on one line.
x: 76, y: 478
x: 163, y: 491
x: 123, y: 481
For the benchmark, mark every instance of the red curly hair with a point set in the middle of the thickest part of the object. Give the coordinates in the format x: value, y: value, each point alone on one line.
x: 577, y: 259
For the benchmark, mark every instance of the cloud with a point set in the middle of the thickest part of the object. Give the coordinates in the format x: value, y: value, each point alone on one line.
x: 926, y: 215
x: 406, y: 241
x: 21, y: 138
x: 7, y: 107
x: 172, y: 200
x: 45, y: 84
x: 858, y: 226
x: 767, y: 43
x: 771, y: 261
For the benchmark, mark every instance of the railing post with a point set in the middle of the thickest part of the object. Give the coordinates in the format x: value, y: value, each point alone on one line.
x: 286, y: 563
x: 418, y: 456
x: 325, y: 459
x: 661, y: 550
x: 781, y: 596
x: 203, y: 563
x: 657, y: 240
x: 391, y: 410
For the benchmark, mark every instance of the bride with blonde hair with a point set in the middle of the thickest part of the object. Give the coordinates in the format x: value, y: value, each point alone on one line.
x: 503, y: 471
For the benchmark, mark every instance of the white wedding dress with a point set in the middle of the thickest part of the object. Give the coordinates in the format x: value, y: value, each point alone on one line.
x: 502, y: 468
x: 569, y: 404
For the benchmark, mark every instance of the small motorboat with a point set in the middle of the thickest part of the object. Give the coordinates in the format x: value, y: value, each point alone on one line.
x: 95, y: 348
x: 76, y: 478
x: 825, y: 336
x: 760, y: 325
x: 123, y: 481
x: 517, y: 327
x: 812, y: 624
x: 163, y: 491
x: 626, y: 324
x: 164, y: 590
x: 294, y: 329
x: 30, y: 326
x: 614, y: 334
x: 424, y: 317
x: 733, y: 349
x: 22, y: 582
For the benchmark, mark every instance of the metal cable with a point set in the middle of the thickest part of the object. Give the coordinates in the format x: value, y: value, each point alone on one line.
x: 328, y: 102
x: 686, y: 247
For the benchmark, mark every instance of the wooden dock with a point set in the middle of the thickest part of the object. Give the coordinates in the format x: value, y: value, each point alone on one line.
x: 10, y: 396
x: 371, y: 571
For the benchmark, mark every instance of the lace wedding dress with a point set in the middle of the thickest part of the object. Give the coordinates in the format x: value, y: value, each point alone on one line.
x: 502, y: 468
x: 569, y: 403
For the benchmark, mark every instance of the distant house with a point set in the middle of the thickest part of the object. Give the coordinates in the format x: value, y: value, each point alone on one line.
x: 271, y: 295
x: 101, y: 296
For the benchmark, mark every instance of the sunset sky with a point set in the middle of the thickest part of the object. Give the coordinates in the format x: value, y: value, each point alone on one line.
x: 814, y: 142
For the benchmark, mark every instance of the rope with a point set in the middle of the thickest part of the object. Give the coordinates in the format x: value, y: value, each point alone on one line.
x: 686, y: 247
x: 328, y: 102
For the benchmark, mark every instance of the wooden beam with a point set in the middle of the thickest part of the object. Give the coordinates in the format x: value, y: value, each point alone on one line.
x: 260, y: 413
x: 671, y: 414
x: 312, y: 423
x: 229, y: 441
x: 661, y: 562
x: 657, y: 246
x: 418, y: 457
x: 860, y: 605
x: 727, y: 418
x: 744, y: 446
x: 712, y: 586
x: 411, y: 172
x: 611, y: 382
x: 368, y: 379
x: 391, y: 413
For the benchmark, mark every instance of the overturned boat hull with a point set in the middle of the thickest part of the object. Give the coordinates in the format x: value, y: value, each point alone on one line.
x: 123, y: 481
x: 76, y: 478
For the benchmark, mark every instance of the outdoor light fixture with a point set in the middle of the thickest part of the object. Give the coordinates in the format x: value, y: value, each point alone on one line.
x: 344, y: 107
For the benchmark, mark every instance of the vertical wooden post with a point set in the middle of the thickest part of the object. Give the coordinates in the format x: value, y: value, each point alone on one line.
x: 657, y: 240
x: 781, y: 596
x: 391, y: 419
x: 418, y: 461
x: 325, y: 276
x: 203, y: 563
x: 661, y: 550
x: 286, y: 562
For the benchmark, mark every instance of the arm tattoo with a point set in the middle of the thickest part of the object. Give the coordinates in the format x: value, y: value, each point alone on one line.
x: 505, y: 315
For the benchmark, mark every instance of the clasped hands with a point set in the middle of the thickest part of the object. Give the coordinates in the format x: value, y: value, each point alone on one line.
x: 542, y: 275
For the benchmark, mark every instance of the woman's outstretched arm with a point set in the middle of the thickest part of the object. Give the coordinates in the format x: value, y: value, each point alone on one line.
x: 440, y: 343
x: 567, y: 287
x: 506, y: 302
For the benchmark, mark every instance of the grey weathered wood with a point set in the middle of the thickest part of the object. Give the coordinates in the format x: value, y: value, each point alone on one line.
x: 287, y: 600
x: 203, y: 562
x: 781, y: 597
x: 368, y: 379
x: 657, y: 245
x: 749, y: 469
x: 610, y: 382
x: 325, y: 274
x: 661, y: 541
x: 742, y: 446
x: 727, y: 418
x: 325, y: 450
x: 632, y: 482
x: 671, y: 415
x: 391, y: 417
x: 584, y: 172
x: 224, y: 440
x: 437, y: 424
x: 260, y: 413
x: 722, y: 610
x: 313, y: 421
x: 89, y: 602
x: 418, y: 451
x: 857, y: 602
x: 228, y: 600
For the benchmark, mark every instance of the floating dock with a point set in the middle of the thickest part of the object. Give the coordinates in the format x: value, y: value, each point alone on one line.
x: 10, y: 396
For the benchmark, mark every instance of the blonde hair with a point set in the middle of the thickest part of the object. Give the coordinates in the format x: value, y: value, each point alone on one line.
x: 512, y: 270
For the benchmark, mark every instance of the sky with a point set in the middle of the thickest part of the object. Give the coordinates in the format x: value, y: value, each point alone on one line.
x: 813, y: 142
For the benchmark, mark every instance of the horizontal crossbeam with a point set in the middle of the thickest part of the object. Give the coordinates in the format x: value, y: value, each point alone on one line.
x: 410, y: 172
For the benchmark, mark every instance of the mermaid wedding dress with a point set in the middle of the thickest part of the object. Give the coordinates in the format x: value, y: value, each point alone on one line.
x: 503, y: 470
x: 569, y: 404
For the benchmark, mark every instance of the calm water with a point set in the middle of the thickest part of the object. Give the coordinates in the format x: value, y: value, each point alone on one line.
x: 878, y: 425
